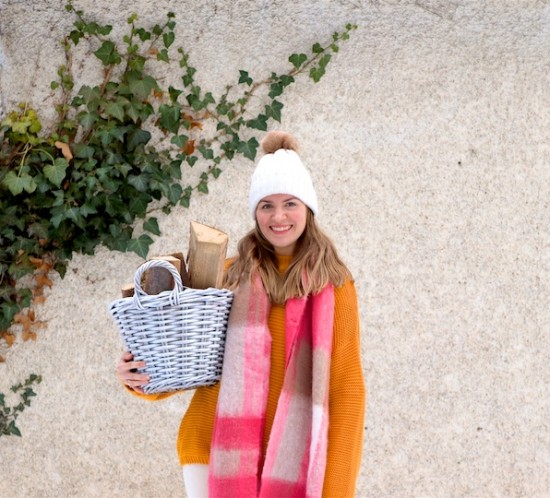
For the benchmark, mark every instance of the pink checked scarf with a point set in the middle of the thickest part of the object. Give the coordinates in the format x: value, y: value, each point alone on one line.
x: 296, y: 453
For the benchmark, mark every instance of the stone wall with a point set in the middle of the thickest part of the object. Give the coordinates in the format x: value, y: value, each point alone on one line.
x: 428, y: 141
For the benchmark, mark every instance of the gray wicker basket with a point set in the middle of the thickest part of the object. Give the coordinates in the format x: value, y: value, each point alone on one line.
x: 180, y: 334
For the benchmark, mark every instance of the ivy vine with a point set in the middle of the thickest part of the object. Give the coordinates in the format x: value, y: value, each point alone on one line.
x: 9, y: 414
x: 121, y: 150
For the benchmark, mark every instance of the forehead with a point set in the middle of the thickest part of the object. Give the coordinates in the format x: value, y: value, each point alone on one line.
x: 274, y: 198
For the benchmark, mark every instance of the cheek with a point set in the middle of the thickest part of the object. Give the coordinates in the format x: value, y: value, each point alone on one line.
x: 262, y: 224
x: 303, y: 221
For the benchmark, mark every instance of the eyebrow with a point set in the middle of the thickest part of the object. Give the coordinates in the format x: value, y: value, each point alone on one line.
x: 285, y: 200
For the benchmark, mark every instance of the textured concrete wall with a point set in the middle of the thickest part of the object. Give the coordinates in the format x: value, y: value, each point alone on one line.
x: 429, y: 144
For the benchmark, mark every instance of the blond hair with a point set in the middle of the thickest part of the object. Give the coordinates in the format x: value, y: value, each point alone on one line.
x: 315, y: 264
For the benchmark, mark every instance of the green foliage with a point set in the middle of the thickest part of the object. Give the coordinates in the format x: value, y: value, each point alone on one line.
x: 9, y: 414
x: 99, y: 176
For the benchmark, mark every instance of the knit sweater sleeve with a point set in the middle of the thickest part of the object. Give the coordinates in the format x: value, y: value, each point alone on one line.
x: 346, y: 398
x: 150, y: 397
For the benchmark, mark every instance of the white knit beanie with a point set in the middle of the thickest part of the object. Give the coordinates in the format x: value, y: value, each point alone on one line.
x: 280, y: 171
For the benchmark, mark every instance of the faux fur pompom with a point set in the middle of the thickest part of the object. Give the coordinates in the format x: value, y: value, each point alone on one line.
x: 276, y: 140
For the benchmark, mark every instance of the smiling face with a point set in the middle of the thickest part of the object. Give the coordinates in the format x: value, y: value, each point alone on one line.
x: 282, y: 219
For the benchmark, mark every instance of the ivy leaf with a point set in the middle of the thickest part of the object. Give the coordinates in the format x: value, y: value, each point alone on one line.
x: 118, y: 133
x: 188, y: 79
x: 174, y: 193
x: 297, y: 60
x: 208, y: 99
x: 317, y: 49
x: 151, y: 225
x: 163, y: 55
x: 114, y: 205
x: 194, y: 101
x: 142, y: 87
x: 87, y: 209
x: 168, y: 38
x: 108, y: 53
x: 87, y: 119
x: 138, y: 204
x: 75, y: 36
x: 174, y: 93
x: 138, y: 137
x: 179, y: 140
x: 206, y: 152
x: 229, y: 148
x: 143, y: 35
x: 133, y: 110
x: 13, y: 430
x: 170, y: 117
x: 141, y: 245
x: 275, y: 90
x: 260, y: 123
x: 324, y: 60
x: 124, y: 168
x: 245, y: 78
x: 203, y: 184
x: 73, y: 214
x: 16, y: 184
x: 274, y: 110
x: 84, y: 151
x: 139, y: 182
x: 57, y: 218
x: 90, y: 95
x: 185, y: 200
x: 137, y: 62
x: 286, y: 80
x: 104, y: 30
x: 115, y: 109
x: 91, y: 28
x: 316, y: 73
x: 248, y: 149
x: 56, y: 172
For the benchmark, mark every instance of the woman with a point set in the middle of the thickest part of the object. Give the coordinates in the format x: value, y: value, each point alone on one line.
x: 287, y: 417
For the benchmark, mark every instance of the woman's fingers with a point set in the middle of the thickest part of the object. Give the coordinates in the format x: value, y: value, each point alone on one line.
x: 126, y: 371
x: 127, y: 356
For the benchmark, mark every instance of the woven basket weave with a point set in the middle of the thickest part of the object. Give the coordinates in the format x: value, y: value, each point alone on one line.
x: 180, y: 334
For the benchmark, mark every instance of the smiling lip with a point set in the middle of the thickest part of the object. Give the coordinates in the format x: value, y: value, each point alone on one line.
x: 281, y: 229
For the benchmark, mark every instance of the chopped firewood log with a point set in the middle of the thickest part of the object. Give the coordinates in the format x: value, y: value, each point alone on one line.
x: 206, y: 256
x: 183, y: 269
x: 156, y: 280
x: 127, y: 290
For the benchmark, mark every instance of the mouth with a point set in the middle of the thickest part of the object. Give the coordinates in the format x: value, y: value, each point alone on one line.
x: 281, y: 229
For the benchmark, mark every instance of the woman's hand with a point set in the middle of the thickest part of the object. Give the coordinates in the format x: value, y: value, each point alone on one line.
x: 126, y: 372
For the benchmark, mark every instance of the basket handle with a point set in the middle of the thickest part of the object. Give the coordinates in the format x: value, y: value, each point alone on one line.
x: 159, y: 263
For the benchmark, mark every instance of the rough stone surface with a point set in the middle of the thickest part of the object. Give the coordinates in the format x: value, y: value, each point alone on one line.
x: 428, y: 141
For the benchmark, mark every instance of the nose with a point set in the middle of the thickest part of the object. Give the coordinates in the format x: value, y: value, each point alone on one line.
x: 279, y: 213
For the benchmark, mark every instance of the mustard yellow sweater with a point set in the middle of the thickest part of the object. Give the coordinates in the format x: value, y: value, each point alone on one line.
x: 346, y: 398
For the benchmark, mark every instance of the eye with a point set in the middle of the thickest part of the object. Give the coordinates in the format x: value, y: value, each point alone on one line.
x: 291, y: 204
x: 265, y: 205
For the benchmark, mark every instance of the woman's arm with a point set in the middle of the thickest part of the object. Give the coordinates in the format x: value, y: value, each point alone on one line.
x: 346, y: 398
